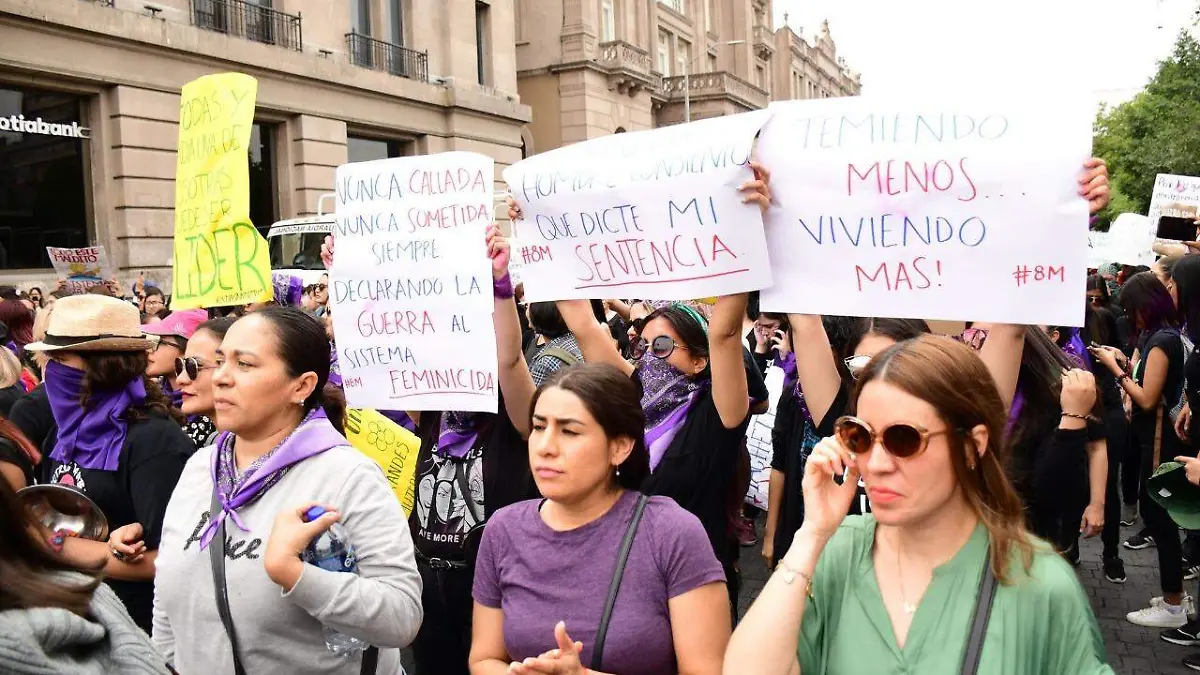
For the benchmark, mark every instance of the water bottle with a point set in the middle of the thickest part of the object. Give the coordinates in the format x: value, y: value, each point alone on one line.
x: 332, y: 551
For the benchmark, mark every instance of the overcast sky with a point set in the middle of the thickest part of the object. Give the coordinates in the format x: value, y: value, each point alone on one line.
x: 1106, y: 48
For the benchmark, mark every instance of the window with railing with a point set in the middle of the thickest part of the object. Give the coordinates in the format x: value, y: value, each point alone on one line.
x: 664, y: 53
x: 256, y: 21
x: 368, y: 52
x: 677, y: 5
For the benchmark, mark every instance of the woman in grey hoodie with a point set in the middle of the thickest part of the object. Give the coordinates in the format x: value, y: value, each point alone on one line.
x: 55, y: 618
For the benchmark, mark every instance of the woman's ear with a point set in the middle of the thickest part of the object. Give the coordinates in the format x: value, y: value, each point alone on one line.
x: 619, y: 450
x: 699, y: 364
x: 977, y: 441
x: 305, y: 385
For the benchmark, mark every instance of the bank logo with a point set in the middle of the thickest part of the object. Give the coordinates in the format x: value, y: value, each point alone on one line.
x: 18, y: 123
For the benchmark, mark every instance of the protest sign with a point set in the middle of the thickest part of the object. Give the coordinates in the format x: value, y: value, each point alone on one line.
x: 644, y: 214
x: 411, y: 284
x: 1130, y: 241
x: 80, y: 268
x: 220, y: 258
x: 758, y: 442
x: 1098, y: 249
x: 1176, y: 198
x: 928, y: 210
x: 389, y: 445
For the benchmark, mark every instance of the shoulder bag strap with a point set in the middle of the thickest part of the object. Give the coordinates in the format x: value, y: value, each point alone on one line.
x: 979, y: 623
x: 216, y: 554
x: 560, y: 354
x: 622, y: 558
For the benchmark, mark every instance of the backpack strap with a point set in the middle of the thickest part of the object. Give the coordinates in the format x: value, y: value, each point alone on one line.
x: 615, y: 586
x: 560, y: 354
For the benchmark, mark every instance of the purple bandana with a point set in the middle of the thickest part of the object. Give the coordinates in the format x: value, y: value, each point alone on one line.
x: 288, y: 289
x: 92, y: 437
x: 1014, y: 413
x: 788, y: 365
x: 802, y: 404
x: 335, y: 371
x: 314, y: 436
x: 667, y: 397
x: 1076, y: 351
x: 175, y: 396
x: 458, y: 433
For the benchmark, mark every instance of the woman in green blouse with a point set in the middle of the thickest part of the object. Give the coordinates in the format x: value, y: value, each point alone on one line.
x: 895, y: 591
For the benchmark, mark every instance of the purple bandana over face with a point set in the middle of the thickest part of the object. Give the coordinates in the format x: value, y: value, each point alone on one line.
x: 288, y: 289
x: 314, y: 436
x: 667, y: 397
x: 459, y: 431
x: 91, y: 437
x: 175, y: 396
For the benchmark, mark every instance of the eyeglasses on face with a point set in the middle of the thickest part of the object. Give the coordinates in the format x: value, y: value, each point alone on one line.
x: 660, y: 347
x: 192, y: 366
x: 638, y: 325
x: 901, y: 439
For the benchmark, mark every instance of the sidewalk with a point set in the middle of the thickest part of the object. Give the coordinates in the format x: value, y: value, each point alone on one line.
x: 1132, y: 650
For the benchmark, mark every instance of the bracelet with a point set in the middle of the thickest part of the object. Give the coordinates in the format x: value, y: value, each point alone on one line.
x: 789, y: 577
x: 502, y: 288
x: 1124, y: 376
x: 1076, y: 416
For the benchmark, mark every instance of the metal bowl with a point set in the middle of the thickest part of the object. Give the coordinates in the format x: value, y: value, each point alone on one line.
x: 62, y: 507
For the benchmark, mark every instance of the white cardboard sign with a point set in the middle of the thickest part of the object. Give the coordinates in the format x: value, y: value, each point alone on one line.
x: 80, y: 268
x: 1177, y: 196
x: 411, y: 284
x: 955, y: 211
x: 644, y: 214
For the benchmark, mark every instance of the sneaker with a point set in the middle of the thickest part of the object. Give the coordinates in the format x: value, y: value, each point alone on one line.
x: 1139, y: 541
x: 1188, y: 602
x: 1114, y: 570
x: 1192, y: 661
x: 1159, y: 616
x: 1129, y: 515
x: 1187, y: 635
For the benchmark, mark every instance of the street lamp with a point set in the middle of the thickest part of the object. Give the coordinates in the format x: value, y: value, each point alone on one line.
x: 687, y: 80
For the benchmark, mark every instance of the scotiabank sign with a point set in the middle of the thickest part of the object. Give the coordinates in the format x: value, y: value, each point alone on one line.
x: 19, y: 124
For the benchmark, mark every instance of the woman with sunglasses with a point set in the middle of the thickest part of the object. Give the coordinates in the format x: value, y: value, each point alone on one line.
x: 173, y: 334
x: 1155, y: 387
x: 193, y: 373
x: 896, y: 590
x: 694, y: 392
x: 320, y: 296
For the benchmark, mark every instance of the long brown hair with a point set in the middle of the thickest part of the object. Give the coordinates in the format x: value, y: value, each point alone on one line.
x: 27, y: 567
x: 950, y: 376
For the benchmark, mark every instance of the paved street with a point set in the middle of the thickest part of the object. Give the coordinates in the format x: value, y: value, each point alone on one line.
x: 1132, y: 650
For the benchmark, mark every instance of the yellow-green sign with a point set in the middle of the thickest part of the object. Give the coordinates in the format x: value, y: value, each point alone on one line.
x: 391, y: 446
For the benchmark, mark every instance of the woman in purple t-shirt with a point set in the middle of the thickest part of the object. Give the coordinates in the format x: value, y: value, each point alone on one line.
x: 545, y: 566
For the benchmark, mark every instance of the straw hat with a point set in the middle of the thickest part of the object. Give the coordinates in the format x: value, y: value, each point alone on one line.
x: 93, y: 323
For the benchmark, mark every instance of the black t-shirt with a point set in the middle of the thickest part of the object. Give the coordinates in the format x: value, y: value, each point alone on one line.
x: 33, y: 416
x: 447, y: 521
x: 1192, y: 391
x: 152, y: 458
x: 11, y: 454
x: 1142, y: 422
x: 9, y: 396
x: 792, y: 440
x: 698, y: 468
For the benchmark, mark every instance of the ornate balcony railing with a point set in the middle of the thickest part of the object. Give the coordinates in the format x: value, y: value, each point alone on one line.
x: 630, y: 67
x: 249, y: 20
x: 716, y: 85
x: 368, y: 52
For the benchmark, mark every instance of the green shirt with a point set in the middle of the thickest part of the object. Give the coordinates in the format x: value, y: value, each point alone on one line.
x: 1041, y: 624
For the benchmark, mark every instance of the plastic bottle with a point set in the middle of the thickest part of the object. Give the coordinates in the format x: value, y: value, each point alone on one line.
x: 332, y: 551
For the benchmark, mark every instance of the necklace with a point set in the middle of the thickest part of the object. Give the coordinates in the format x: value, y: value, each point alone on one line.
x: 908, y: 607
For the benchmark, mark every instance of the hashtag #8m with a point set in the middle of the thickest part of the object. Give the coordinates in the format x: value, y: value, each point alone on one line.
x: 1036, y: 274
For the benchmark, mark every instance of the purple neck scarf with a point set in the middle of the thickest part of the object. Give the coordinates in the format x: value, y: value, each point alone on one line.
x: 667, y: 397
x: 314, y: 436
x: 788, y: 365
x: 335, y: 370
x: 173, y: 395
x: 803, y: 405
x: 91, y: 437
x: 458, y: 433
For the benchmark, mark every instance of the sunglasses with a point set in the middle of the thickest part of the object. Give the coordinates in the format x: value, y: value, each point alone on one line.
x: 973, y: 337
x: 856, y: 364
x: 901, y: 439
x: 660, y: 347
x: 192, y: 366
x: 638, y: 324
x: 162, y: 341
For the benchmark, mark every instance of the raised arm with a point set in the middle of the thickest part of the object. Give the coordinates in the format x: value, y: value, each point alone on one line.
x: 729, y: 387
x: 515, y: 381
x: 1001, y: 353
x: 816, y: 367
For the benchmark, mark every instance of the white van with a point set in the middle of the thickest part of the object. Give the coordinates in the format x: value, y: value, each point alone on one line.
x: 295, y: 244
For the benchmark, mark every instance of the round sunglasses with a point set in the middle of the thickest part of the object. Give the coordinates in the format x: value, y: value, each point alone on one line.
x: 660, y: 347
x: 192, y: 366
x: 901, y: 439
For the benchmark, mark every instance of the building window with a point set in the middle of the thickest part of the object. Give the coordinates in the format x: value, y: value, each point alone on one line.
x: 712, y: 64
x: 396, y: 22
x: 43, y: 176
x: 709, y: 15
x: 664, y: 53
x: 683, y: 54
x: 263, y: 205
x: 608, y: 21
x: 760, y: 74
x: 362, y: 149
x: 677, y: 5
x: 482, y: 53
x: 360, y: 16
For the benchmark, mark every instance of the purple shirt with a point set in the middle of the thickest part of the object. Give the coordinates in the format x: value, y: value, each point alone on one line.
x: 539, y: 577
